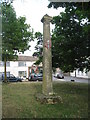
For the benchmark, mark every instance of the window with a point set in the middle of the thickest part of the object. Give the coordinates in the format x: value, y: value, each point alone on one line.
x: 8, y: 64
x: 20, y: 63
x: 2, y: 73
x: 2, y: 64
x: 22, y: 73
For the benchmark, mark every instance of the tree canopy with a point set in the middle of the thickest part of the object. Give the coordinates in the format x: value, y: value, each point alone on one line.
x: 39, y: 47
x: 16, y: 33
x: 70, y: 38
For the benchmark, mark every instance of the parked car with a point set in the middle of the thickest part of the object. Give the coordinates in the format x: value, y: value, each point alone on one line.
x: 36, y: 77
x: 59, y: 75
x: 12, y: 78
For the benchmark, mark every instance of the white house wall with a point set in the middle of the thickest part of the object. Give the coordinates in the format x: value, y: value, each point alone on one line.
x: 89, y: 74
x: 80, y: 74
x: 1, y: 69
x: 14, y: 68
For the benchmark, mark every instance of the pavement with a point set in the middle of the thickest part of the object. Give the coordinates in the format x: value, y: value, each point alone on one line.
x: 72, y: 79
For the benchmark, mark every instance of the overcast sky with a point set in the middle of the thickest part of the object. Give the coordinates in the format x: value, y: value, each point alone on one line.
x: 34, y: 10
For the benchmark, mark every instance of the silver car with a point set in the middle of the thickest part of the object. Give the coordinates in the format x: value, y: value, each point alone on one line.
x: 36, y: 77
x: 59, y: 75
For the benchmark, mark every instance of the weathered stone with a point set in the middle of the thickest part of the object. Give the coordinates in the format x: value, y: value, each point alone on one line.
x: 47, y: 95
x: 48, y: 99
x: 47, y: 56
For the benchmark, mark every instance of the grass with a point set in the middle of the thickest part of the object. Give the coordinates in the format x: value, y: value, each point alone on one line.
x: 19, y: 101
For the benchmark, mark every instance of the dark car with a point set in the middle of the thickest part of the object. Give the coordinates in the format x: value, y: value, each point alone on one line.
x: 36, y: 77
x: 12, y: 78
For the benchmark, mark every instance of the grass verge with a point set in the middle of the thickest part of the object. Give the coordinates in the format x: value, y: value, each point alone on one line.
x: 19, y: 101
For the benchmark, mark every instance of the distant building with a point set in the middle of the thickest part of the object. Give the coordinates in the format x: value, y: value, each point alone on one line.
x: 76, y: 73
x: 80, y: 74
x: 19, y: 67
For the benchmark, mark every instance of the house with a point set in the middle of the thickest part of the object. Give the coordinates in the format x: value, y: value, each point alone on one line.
x: 80, y: 74
x: 23, y: 66
x: 76, y: 73
x: 18, y: 67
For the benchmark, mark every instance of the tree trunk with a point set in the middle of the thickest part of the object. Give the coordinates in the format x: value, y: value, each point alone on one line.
x: 5, y: 74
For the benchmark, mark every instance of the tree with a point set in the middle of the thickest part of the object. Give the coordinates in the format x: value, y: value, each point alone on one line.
x: 70, y: 37
x: 39, y: 47
x: 0, y: 32
x: 15, y: 34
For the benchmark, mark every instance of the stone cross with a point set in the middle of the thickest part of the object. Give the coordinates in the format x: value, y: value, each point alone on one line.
x: 47, y: 87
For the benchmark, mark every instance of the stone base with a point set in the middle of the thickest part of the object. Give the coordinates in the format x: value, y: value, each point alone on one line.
x: 48, y: 99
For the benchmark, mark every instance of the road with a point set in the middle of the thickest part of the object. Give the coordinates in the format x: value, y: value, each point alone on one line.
x: 69, y: 78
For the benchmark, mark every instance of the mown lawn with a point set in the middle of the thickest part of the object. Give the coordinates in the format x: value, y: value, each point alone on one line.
x: 19, y: 101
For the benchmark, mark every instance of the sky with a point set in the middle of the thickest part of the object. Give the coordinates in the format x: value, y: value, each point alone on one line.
x: 34, y: 10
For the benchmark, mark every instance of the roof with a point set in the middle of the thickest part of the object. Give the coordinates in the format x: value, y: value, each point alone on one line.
x: 27, y: 58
